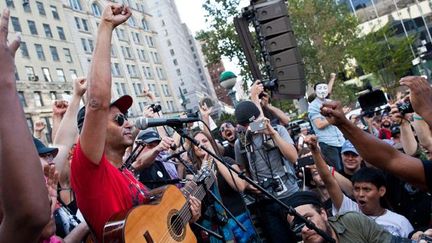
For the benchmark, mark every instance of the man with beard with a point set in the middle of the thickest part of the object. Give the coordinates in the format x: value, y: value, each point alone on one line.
x: 346, y: 227
x: 228, y: 132
x: 384, y: 131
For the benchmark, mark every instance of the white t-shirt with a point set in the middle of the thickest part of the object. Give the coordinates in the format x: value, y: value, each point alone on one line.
x: 394, y: 223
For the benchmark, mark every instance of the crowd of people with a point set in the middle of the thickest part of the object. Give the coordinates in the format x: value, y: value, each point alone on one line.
x: 369, y: 180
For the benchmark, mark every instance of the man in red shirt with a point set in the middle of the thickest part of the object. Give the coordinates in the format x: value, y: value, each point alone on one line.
x: 101, y: 186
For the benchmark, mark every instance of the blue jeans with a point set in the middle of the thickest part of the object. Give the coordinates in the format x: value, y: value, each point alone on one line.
x: 250, y: 235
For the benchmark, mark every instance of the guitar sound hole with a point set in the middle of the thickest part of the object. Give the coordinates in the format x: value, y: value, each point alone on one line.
x: 176, y: 226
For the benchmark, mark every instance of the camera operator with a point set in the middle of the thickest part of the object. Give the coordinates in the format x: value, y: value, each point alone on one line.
x: 268, y: 156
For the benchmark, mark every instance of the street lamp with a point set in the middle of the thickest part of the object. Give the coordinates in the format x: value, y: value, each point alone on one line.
x: 228, y: 80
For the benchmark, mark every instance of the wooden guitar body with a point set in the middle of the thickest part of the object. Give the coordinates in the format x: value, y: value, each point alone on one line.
x: 162, y: 220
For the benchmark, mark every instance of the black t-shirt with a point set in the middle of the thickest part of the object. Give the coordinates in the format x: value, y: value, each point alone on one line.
x: 229, y: 151
x: 342, y: 172
x: 231, y: 198
x: 154, y: 176
x: 427, y: 165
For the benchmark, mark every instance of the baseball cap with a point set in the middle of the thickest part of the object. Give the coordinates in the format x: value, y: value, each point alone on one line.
x: 348, y: 147
x: 246, y: 112
x: 42, y: 149
x: 148, y: 136
x: 123, y: 103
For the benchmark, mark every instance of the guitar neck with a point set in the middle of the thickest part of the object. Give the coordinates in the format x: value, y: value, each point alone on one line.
x: 195, y: 190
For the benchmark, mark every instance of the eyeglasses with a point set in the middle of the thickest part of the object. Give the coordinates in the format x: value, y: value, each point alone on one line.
x: 120, y: 119
x: 225, y: 126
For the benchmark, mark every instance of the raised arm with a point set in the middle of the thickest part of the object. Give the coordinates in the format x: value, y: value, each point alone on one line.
x: 283, y: 118
x: 389, y: 159
x: 68, y: 131
x: 23, y: 194
x: 423, y: 133
x: 59, y: 109
x: 330, y: 182
x: 92, y: 139
x: 287, y: 149
x: 256, y: 89
x: 331, y: 82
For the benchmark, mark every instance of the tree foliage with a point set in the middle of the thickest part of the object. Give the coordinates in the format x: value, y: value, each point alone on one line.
x: 385, y: 55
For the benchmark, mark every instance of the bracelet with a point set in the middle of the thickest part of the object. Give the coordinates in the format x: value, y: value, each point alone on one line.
x: 417, y: 117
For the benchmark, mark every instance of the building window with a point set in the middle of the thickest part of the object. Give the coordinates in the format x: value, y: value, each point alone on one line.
x: 160, y: 73
x: 22, y: 99
x: 141, y: 55
x: 38, y: 98
x: 39, y: 51
x: 178, y: 71
x: 16, y: 24
x: 54, y: 12
x: 46, y: 74
x: 132, y: 71
x: 61, y: 33
x: 90, y: 43
x: 149, y: 41
x: 85, y: 24
x: 113, y: 52
x: 75, y: 4
x: 77, y: 23
x: 136, y: 37
x: 32, y: 27
x: 96, y: 9
x: 123, y: 87
x: 148, y: 72
x: 126, y: 52
x: 30, y: 124
x: 67, y: 54
x: 169, y: 43
x: 41, y: 8
x: 24, y: 50
x: 47, y: 30
x: 131, y: 21
x: 53, y: 95
x: 115, y: 70
x: 48, y: 121
x: 30, y: 73
x: 73, y: 74
x: 85, y: 46
x: 26, y: 7
x: 118, y: 89
x: 155, y: 57
x: 10, y: 4
x: 144, y: 24
x: 121, y: 35
x: 172, y: 52
x: 175, y: 62
x: 54, y: 53
x: 61, y: 75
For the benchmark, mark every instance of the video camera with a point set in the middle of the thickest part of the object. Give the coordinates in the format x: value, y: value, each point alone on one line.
x: 373, y: 102
x: 156, y: 108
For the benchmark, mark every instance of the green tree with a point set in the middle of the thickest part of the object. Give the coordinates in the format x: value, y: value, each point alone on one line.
x: 324, y: 32
x: 385, y: 55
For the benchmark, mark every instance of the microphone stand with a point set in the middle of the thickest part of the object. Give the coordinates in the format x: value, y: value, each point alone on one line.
x: 181, y: 131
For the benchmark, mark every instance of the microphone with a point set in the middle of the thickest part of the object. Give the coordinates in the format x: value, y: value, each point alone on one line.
x: 143, y: 123
x: 174, y: 155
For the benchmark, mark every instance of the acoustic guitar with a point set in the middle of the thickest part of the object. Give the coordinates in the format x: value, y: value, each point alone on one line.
x: 164, y: 219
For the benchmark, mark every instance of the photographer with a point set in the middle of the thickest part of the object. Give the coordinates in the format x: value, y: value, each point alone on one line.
x: 268, y: 155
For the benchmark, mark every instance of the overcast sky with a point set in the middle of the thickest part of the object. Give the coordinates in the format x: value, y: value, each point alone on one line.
x: 192, y: 13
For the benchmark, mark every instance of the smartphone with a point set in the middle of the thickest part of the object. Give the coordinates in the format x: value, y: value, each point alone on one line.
x: 257, y: 125
x: 302, y: 162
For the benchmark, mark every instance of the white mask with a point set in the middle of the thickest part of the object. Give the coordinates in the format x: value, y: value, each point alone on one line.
x: 321, y: 91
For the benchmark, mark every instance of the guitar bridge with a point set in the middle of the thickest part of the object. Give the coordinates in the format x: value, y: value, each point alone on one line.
x: 148, y: 237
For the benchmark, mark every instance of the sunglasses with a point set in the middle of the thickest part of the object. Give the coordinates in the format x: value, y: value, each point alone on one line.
x: 120, y: 119
x: 225, y: 126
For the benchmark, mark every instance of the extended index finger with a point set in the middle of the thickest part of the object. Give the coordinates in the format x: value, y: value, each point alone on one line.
x: 4, y: 26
